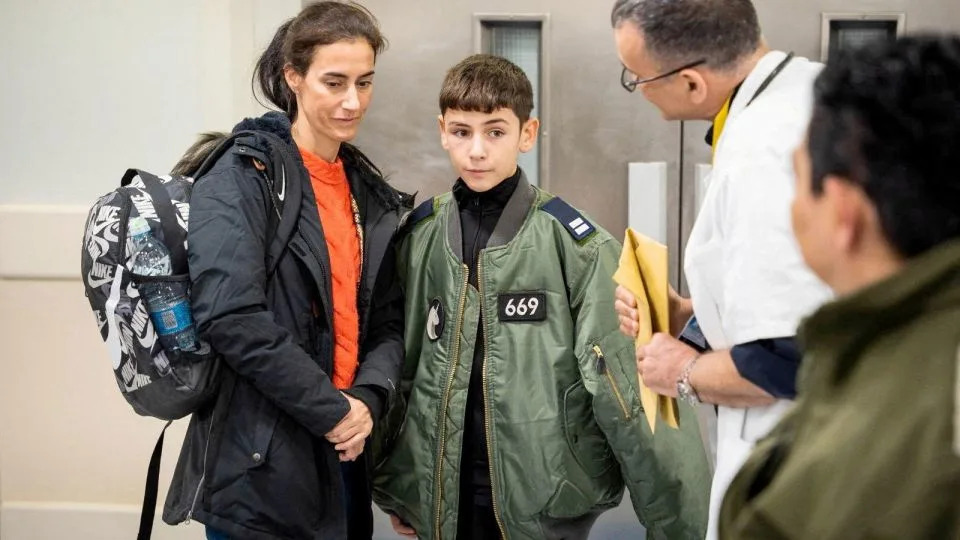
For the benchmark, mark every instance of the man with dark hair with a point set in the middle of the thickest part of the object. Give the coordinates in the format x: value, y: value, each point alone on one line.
x: 872, y: 448
x: 520, y: 415
x: 705, y: 59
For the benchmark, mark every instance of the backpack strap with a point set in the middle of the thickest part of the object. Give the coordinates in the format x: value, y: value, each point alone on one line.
x: 281, y: 174
x: 279, y: 171
x: 173, y: 237
x: 149, y: 507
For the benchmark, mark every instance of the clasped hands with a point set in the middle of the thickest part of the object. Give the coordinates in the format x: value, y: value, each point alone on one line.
x: 350, y: 435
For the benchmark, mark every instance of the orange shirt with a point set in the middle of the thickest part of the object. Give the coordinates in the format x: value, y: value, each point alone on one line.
x: 334, y: 203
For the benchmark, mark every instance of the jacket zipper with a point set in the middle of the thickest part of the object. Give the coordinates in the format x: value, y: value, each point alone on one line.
x: 455, y: 359
x: 486, y: 404
x: 361, y: 237
x: 203, y: 474
x: 602, y: 369
x: 275, y: 201
x: 476, y: 236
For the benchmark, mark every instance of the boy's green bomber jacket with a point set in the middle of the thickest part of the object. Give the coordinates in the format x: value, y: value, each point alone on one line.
x: 565, y: 429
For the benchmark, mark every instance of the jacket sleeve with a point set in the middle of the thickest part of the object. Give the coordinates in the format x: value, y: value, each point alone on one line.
x: 386, y: 431
x: 382, y: 358
x: 227, y: 247
x: 771, y: 364
x: 668, y: 475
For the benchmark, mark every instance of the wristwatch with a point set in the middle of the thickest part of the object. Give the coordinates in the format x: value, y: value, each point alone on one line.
x: 685, y: 390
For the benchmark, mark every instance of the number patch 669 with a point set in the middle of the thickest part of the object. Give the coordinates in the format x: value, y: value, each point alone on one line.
x: 522, y: 307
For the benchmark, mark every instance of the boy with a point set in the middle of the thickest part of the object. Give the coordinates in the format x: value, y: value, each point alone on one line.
x: 521, y: 416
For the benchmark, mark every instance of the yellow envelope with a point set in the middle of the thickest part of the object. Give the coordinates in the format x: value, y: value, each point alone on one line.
x: 643, y: 271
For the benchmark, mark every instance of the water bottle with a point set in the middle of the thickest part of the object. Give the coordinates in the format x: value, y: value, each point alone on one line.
x: 167, y: 301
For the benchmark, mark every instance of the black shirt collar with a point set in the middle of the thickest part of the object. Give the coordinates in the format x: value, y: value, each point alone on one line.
x: 493, y: 199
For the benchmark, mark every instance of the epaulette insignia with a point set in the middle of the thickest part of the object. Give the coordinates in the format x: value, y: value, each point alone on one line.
x: 423, y: 211
x: 572, y: 220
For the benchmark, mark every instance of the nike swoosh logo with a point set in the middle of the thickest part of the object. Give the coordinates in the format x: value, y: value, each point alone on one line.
x: 102, y: 245
x: 95, y: 283
x: 283, y: 183
x: 98, y: 227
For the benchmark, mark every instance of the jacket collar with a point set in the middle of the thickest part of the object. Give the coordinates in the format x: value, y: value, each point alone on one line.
x: 514, y: 214
x: 272, y: 122
x: 928, y: 283
x: 362, y: 172
x: 493, y: 199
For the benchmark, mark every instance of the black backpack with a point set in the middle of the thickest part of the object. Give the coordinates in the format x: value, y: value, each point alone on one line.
x: 165, y: 384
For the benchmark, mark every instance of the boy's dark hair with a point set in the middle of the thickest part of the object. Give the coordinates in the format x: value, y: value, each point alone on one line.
x: 676, y: 32
x: 198, y: 152
x: 317, y: 24
x: 485, y: 83
x: 887, y: 117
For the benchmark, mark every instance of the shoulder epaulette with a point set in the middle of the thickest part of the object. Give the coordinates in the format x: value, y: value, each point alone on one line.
x: 570, y: 217
x: 423, y: 211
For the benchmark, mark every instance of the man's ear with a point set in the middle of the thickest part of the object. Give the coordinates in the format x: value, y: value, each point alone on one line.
x: 443, y: 131
x: 849, y: 210
x: 528, y: 134
x: 696, y: 85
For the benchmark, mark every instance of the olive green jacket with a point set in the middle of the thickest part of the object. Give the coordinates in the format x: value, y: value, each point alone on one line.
x: 871, y: 449
x: 565, y: 428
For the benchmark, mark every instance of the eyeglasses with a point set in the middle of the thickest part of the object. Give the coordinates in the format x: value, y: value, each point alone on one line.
x: 630, y: 83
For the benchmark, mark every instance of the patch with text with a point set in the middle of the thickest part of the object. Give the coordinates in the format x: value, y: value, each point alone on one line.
x: 522, y: 306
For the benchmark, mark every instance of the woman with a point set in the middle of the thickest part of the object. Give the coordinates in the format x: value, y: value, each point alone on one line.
x: 312, y: 344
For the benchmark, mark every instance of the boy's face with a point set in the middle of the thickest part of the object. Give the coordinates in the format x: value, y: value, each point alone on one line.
x: 484, y: 147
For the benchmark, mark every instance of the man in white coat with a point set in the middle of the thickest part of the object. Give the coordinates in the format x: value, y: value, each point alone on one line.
x: 749, y: 287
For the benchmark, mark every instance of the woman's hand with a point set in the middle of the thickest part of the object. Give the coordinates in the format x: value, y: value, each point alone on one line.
x: 349, y: 435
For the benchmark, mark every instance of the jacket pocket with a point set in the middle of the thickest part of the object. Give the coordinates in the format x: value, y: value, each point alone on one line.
x: 584, y: 438
x: 247, y: 433
x: 614, y: 363
x: 604, y: 371
x: 307, y: 333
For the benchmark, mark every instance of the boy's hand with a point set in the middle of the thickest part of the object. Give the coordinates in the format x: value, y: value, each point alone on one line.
x: 626, y: 306
x: 351, y: 449
x: 681, y: 309
x: 401, y: 527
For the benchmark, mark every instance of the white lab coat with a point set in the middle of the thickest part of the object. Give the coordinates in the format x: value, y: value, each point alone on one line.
x: 746, y: 276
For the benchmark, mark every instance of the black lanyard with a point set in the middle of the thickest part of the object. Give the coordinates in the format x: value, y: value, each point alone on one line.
x: 763, y: 86
x: 773, y: 75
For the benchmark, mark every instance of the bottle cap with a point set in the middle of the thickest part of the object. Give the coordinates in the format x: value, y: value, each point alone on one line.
x: 138, y: 226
